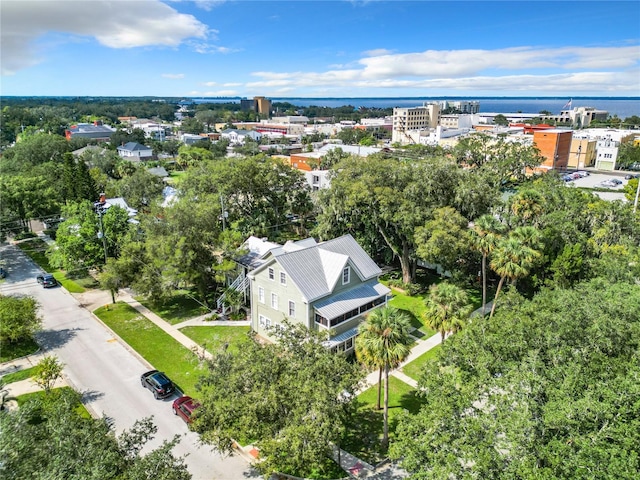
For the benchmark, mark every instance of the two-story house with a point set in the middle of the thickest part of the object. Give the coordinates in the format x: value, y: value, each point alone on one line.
x: 324, y: 286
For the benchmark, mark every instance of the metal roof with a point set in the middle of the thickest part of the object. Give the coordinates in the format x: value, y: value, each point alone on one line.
x: 316, y: 269
x: 351, y: 299
x: 344, y: 336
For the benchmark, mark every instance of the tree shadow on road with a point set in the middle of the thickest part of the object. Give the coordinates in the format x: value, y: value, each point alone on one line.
x: 52, y: 339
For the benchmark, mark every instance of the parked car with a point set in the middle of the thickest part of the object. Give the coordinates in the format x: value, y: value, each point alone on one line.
x: 566, y: 177
x: 3, y: 272
x: 629, y: 176
x: 47, y: 280
x: 158, y: 383
x: 184, y: 407
x: 617, y: 181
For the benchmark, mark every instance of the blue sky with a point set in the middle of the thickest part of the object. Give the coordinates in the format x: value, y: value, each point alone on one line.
x: 320, y: 48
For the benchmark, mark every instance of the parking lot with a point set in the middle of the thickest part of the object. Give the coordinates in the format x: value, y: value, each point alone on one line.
x: 595, y: 180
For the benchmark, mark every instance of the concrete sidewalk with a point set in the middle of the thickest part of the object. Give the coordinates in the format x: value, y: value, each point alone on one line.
x: 421, y: 347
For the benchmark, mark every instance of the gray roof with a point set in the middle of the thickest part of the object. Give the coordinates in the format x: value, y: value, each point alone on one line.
x: 315, y: 270
x: 349, y: 300
x: 158, y: 172
x: 344, y: 336
x: 133, y: 146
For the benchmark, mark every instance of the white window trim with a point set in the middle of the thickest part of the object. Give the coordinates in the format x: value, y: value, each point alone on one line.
x: 274, y: 301
x: 291, y: 302
x: 261, y: 294
x: 348, y: 269
x: 271, y: 273
x: 263, y: 321
x: 283, y: 278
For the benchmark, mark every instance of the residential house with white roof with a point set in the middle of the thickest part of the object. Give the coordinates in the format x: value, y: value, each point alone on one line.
x: 328, y: 286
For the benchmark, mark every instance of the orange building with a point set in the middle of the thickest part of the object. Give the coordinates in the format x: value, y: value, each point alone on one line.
x: 555, y: 147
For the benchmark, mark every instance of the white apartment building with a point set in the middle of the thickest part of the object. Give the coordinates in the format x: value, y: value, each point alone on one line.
x: 407, y: 122
x: 580, y: 117
x: 464, y: 106
x: 456, y: 121
x: 606, y: 154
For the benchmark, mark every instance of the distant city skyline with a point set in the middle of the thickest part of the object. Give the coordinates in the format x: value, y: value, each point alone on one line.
x: 208, y: 48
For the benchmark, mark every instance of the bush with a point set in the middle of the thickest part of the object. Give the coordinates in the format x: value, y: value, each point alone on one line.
x: 23, y: 235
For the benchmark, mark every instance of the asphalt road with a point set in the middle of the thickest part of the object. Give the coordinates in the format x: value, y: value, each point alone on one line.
x: 107, y: 373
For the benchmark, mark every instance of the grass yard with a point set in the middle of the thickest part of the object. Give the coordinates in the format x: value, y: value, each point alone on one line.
x: 214, y: 338
x: 80, y: 409
x: 156, y: 346
x: 19, y: 375
x: 415, y: 368
x: 363, y: 439
x: 11, y: 351
x: 179, y: 308
x: 414, y: 307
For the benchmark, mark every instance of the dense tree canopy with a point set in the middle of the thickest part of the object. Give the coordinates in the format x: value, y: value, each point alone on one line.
x: 546, y: 389
x: 19, y: 318
x: 46, y: 438
x: 292, y: 398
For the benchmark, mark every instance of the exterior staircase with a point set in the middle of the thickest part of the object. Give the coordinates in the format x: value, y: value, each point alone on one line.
x: 240, y: 284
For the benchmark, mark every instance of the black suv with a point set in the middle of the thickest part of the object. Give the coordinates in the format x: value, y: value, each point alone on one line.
x: 47, y: 280
x: 158, y: 383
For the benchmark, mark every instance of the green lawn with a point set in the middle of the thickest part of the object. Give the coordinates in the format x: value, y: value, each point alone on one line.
x: 363, y: 438
x: 177, y: 309
x: 19, y: 375
x: 214, y: 338
x: 156, y: 346
x: 415, y: 368
x: 11, y: 351
x: 414, y: 307
x: 80, y: 409
x: 35, y: 250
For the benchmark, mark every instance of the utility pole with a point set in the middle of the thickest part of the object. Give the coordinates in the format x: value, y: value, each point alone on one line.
x: 99, y: 207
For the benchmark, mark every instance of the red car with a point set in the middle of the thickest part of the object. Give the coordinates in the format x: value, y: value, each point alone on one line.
x: 184, y: 407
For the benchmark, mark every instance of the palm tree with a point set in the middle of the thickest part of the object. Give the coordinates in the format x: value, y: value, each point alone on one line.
x: 512, y: 259
x: 484, y: 235
x: 447, y: 308
x: 527, y: 206
x: 383, y: 341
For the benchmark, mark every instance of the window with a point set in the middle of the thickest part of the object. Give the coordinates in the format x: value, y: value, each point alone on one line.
x: 283, y: 278
x: 264, y: 321
x: 261, y: 294
x: 349, y: 344
x: 274, y: 301
x: 346, y: 275
x: 272, y: 274
x: 292, y: 309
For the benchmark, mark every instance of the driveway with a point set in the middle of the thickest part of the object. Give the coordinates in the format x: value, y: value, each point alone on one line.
x: 107, y: 373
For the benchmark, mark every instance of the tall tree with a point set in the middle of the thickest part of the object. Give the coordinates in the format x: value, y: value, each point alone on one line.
x: 511, y: 259
x: 385, y: 336
x: 19, y: 318
x: 546, y: 389
x: 292, y: 398
x: 443, y: 239
x: 48, y: 438
x: 448, y: 308
x: 485, y: 234
x: 381, y: 201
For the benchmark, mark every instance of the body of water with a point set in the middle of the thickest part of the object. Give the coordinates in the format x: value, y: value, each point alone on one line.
x: 622, y: 106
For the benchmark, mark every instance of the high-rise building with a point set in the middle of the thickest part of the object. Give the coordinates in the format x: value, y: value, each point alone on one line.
x: 413, y: 119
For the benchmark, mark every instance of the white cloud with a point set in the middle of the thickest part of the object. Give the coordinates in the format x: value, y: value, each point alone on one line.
x: 566, y: 69
x: 377, y: 52
x: 210, y: 84
x: 205, y: 48
x: 173, y: 76
x: 114, y: 24
x: 232, y: 84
